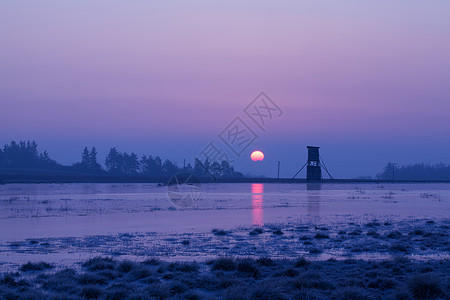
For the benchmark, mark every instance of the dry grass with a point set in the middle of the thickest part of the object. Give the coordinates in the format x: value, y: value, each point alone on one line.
x: 231, y: 278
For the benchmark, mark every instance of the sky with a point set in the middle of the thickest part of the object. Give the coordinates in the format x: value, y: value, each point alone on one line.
x: 368, y: 82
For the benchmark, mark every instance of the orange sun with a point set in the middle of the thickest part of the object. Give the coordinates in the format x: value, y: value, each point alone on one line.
x: 257, y: 155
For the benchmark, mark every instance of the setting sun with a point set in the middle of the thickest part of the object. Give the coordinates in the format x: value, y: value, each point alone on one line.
x: 257, y: 155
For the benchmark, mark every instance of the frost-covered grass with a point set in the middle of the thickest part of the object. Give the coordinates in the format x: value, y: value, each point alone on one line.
x: 232, y: 278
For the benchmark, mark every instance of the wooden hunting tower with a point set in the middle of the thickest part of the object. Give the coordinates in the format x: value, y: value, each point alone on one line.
x: 314, y: 165
x: 313, y: 168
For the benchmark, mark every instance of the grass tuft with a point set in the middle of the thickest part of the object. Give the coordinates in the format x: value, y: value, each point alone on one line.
x: 425, y: 286
x: 219, y: 232
x: 301, y: 262
x: 152, y: 262
x: 185, y: 267
x: 39, y: 266
x: 265, y: 261
x: 350, y: 292
x: 315, y: 251
x: 278, y: 232
x: 91, y: 292
x: 8, y: 280
x: 256, y: 231
x: 224, y: 264
x: 248, y: 267
x: 91, y: 279
x: 125, y: 266
x: 321, y: 235
x: 394, y: 234
x: 100, y: 263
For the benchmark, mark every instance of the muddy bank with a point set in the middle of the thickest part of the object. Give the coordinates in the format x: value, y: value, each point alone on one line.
x: 415, y: 239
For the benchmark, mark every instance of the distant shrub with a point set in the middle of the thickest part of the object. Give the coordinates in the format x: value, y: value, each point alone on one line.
x: 394, y: 234
x: 372, y: 233
x: 256, y: 231
x: 29, y: 266
x: 315, y: 251
x: 373, y: 224
x: 278, y: 232
x: 219, y: 232
x: 399, y: 247
x: 355, y: 232
x: 417, y: 232
x: 321, y: 235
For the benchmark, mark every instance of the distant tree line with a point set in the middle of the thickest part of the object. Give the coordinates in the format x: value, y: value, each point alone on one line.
x: 129, y: 164
x: 25, y: 155
x: 413, y: 172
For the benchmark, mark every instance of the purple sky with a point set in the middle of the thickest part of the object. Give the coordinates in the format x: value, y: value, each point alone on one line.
x: 368, y: 82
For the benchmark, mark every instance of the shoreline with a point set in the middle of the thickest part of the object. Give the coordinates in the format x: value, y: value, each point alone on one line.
x: 375, y: 239
x: 29, y: 178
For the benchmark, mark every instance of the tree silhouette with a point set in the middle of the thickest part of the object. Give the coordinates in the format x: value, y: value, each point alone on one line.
x: 158, y: 166
x: 114, y: 161
x: 169, y: 168
x: 93, y: 164
x: 85, y: 159
x: 26, y: 155
x: 130, y: 165
x: 189, y: 168
x: 415, y: 172
x: 149, y: 166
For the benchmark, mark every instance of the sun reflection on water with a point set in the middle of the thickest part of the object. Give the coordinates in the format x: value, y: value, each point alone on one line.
x: 257, y: 204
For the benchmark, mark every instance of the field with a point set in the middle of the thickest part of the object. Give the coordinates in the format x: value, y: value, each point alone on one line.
x: 267, y: 241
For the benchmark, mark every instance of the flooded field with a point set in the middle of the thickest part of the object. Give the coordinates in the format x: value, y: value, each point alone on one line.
x: 67, y: 223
